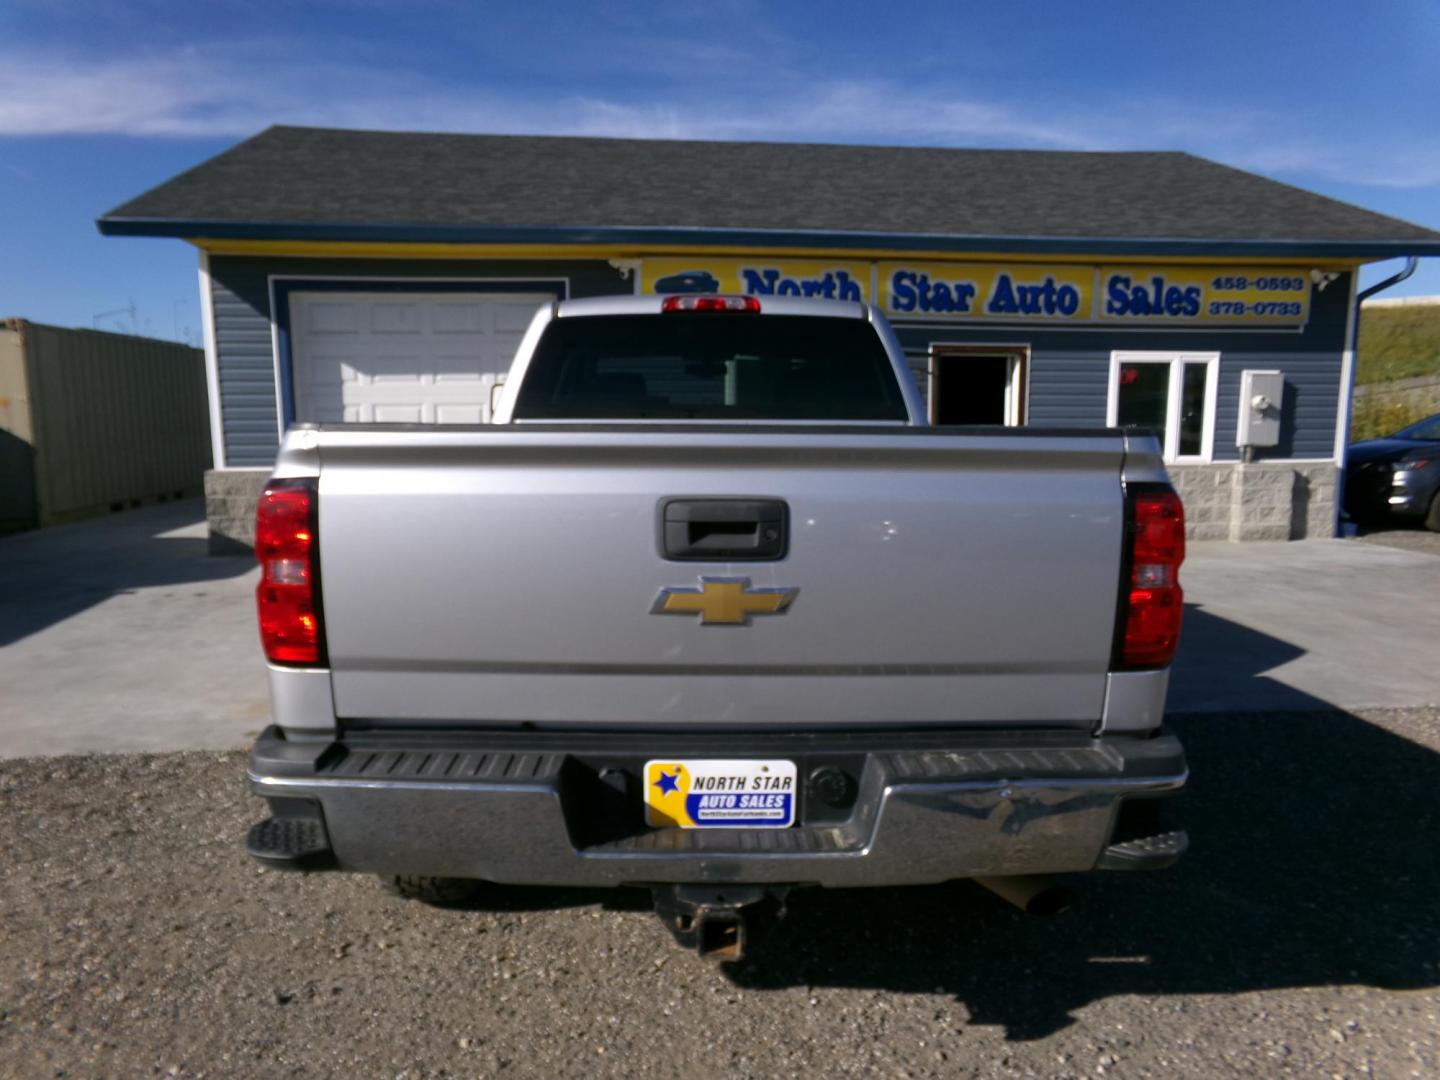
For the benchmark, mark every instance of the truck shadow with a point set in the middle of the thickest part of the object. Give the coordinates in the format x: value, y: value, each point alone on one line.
x: 1220, y: 668
x: 1312, y: 864
x: 50, y: 575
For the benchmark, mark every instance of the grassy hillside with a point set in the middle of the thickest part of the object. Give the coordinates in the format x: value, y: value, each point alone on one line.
x: 1398, y: 343
x: 1395, y: 343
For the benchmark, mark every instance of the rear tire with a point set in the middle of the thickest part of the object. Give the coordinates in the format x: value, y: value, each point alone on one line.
x: 1432, y: 519
x: 438, y: 891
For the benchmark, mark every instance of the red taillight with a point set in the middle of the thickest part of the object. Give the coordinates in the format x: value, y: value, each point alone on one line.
x: 1153, y: 602
x: 711, y: 303
x: 288, y: 596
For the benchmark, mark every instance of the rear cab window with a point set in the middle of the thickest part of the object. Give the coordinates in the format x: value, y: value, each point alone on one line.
x: 703, y: 366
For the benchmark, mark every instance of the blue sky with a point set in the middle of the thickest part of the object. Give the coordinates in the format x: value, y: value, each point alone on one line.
x: 101, y: 99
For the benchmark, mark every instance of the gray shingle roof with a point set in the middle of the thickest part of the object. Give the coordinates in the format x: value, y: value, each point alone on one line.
x: 318, y: 183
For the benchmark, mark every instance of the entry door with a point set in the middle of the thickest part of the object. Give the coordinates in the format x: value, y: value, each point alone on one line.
x: 396, y: 357
x: 977, y: 385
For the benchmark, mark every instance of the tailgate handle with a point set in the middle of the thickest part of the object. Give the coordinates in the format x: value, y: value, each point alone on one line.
x: 724, y: 530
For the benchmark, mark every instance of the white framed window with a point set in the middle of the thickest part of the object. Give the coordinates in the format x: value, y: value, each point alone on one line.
x: 1172, y: 394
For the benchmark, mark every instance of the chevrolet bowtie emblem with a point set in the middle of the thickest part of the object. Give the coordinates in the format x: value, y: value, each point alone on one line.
x: 723, y: 601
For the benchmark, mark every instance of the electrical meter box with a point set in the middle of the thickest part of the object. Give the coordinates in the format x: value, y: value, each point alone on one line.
x: 1261, y: 395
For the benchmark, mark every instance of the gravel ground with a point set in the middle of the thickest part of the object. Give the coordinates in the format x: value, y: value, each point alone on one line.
x: 1300, y: 936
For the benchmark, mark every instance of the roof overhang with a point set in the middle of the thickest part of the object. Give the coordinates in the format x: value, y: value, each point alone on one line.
x: 548, y: 236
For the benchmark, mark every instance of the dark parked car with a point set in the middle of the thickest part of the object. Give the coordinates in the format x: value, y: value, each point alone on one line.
x: 1397, y: 476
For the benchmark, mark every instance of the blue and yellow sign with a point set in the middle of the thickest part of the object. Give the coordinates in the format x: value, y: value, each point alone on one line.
x: 1205, y: 295
x: 938, y: 289
x: 929, y: 290
x: 694, y: 794
x: 824, y: 279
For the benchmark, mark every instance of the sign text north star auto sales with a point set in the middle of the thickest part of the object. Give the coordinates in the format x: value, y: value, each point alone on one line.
x: 984, y: 291
x: 994, y: 292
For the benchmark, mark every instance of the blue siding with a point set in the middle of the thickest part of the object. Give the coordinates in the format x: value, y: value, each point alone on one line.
x: 246, y: 367
x: 1070, y: 369
x: 1068, y: 381
x: 244, y: 352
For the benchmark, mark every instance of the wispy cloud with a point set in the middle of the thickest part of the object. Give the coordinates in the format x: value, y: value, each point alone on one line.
x: 833, y: 111
x: 237, y: 91
x: 195, y: 94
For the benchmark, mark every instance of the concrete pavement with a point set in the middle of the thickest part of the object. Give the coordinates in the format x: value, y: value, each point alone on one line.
x: 123, y: 634
x: 1308, y: 624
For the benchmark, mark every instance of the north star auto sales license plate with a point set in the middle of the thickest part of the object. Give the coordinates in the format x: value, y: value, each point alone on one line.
x: 720, y: 794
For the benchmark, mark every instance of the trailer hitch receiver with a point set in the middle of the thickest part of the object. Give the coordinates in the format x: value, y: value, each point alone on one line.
x: 718, y: 921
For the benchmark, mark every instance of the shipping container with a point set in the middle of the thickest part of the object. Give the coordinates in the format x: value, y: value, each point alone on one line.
x: 92, y: 422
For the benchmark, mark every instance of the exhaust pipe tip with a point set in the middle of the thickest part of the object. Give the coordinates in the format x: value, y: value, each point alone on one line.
x: 1034, y: 894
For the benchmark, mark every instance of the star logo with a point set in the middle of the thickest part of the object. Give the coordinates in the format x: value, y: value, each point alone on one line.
x: 667, y: 783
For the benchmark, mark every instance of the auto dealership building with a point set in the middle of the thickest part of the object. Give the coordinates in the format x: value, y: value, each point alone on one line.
x: 387, y: 277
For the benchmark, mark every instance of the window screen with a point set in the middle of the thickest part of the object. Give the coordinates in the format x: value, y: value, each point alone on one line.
x: 710, y: 367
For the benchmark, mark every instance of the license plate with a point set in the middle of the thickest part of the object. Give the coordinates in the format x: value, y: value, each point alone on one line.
x: 691, y: 794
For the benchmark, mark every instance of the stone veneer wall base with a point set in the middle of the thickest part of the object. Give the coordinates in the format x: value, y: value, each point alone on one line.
x: 230, y: 498
x: 1264, y: 500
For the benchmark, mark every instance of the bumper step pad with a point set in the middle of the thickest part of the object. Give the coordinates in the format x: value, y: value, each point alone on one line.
x: 290, y: 843
x: 1146, y: 853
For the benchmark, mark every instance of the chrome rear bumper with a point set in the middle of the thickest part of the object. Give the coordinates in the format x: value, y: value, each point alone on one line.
x: 562, y: 809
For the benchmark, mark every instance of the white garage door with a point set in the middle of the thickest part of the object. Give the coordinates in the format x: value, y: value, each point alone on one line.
x: 403, y: 357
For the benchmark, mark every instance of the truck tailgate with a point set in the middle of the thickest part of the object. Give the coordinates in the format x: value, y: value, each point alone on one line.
x: 508, y: 575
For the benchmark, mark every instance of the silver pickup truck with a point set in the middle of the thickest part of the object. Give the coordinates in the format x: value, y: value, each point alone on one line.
x: 711, y: 610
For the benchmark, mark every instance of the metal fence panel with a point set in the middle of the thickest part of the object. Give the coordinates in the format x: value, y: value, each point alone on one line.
x: 114, y: 420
